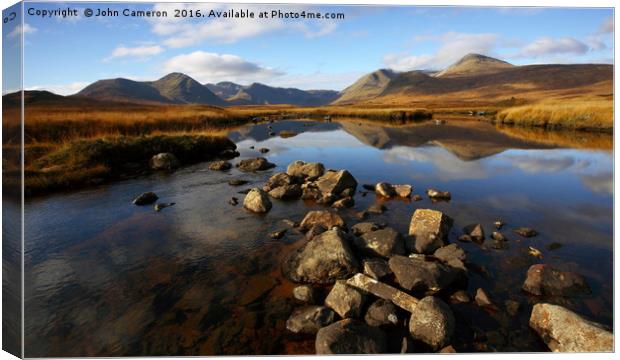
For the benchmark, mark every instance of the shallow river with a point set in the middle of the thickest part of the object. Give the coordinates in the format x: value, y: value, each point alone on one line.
x: 106, y: 278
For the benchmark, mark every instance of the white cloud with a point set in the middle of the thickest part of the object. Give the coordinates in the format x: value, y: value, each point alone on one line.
x: 180, y: 33
x: 552, y: 46
x: 138, y: 52
x: 212, y: 67
x: 596, y: 43
x: 607, y: 26
x: 453, y: 46
x: 27, y: 29
x: 61, y: 89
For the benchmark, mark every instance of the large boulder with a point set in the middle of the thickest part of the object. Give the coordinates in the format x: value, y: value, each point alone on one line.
x: 323, y: 260
x: 383, y: 243
x: 255, y: 164
x: 286, y: 192
x: 305, y: 171
x: 563, y: 330
x: 432, y: 322
x: 429, y: 229
x: 257, y: 201
x: 350, y: 336
x: 382, y: 313
x: 345, y: 300
x: 309, y: 319
x: 164, y: 161
x: 417, y: 274
x: 545, y: 280
x: 335, y: 182
x: 325, y: 218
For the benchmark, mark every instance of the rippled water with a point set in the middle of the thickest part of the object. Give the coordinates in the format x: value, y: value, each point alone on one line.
x: 106, y: 278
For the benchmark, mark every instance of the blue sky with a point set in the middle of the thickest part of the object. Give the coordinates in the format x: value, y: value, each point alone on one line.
x: 64, y: 55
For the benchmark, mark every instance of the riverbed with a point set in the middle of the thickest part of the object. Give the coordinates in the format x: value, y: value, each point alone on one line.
x: 202, y: 277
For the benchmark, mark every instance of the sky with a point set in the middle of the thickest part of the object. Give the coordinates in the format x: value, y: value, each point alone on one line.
x: 64, y: 55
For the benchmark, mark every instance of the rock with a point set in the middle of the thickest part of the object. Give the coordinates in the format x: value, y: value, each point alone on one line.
x: 403, y: 191
x: 346, y: 202
x: 291, y: 223
x: 464, y: 238
x: 286, y: 192
x: 482, y: 299
x: 345, y: 300
x: 565, y: 331
x: 309, y: 319
x: 315, y: 230
x: 244, y: 191
x: 429, y: 229
x: 376, y: 268
x: 553, y: 246
x: 305, y: 171
x: 256, y: 164
x: 310, y: 193
x: 475, y: 232
x: 277, y: 180
x: 383, y: 291
x: 325, y: 218
x: 257, y: 201
x: 146, y: 198
x: 348, y: 192
x: 383, y: 243
x: 272, y: 133
x: 233, y: 201
x: 460, y: 296
x: 164, y: 161
x: 382, y: 313
x: 237, y: 182
x: 432, y: 322
x: 324, y: 259
x: 416, y: 197
x: 263, y: 150
x: 498, y: 236
x: 326, y: 199
x: 363, y: 228
x: 452, y: 255
x: 350, y: 336
x: 448, y: 350
x: 416, y: 274
x: 335, y: 182
x: 228, y: 154
x: 220, y: 165
x: 438, y: 195
x: 406, y: 345
x: 512, y: 307
x: 278, y: 234
x: 287, y: 134
x: 376, y: 209
x: 368, y: 187
x: 525, y: 232
x: 306, y: 294
x: 385, y: 190
x: 498, y: 224
x: 161, y: 206
x: 362, y: 215
x: 544, y: 280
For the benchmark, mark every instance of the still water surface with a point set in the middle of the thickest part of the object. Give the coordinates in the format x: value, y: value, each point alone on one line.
x: 106, y: 278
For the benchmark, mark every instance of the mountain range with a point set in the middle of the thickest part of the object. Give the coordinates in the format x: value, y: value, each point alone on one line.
x: 473, y: 77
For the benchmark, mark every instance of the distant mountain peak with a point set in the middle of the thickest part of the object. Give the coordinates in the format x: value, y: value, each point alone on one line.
x: 474, y: 64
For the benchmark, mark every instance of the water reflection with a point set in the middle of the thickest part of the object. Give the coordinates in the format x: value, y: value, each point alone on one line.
x: 105, y: 278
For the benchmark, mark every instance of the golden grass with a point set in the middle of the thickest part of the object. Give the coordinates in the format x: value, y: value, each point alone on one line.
x: 580, y: 114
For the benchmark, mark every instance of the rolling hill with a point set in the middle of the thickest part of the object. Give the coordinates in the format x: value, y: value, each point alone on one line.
x: 182, y: 89
x: 123, y: 90
x: 224, y: 89
x: 260, y: 94
x: 474, y: 64
x: 367, y: 87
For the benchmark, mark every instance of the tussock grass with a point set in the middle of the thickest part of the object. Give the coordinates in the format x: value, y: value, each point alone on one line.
x: 579, y: 114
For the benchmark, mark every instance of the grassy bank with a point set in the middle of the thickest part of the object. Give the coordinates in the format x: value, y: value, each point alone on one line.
x: 590, y: 115
x: 93, y: 161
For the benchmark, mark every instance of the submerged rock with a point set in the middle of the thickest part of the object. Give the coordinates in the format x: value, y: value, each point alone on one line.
x: 525, y: 232
x: 256, y: 164
x: 237, y: 182
x: 376, y: 209
x: 546, y: 280
x: 161, y: 206
x: 383, y: 243
x: 350, y: 336
x: 432, y: 322
x: 325, y: 218
x: 164, y: 161
x: 345, y: 300
x: 565, y: 331
x: 220, y: 165
x: 429, y: 229
x: 263, y: 150
x: 324, y: 259
x: 278, y: 234
x: 309, y: 319
x: 146, y: 198
x: 305, y: 171
x: 438, y: 195
x: 257, y: 201
x: 460, y: 296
